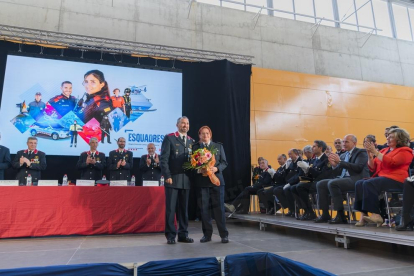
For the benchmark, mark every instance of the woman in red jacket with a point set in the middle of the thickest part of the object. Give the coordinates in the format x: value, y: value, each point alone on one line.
x: 391, y: 169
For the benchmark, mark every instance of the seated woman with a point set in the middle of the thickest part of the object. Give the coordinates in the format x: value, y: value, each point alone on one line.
x: 391, y: 169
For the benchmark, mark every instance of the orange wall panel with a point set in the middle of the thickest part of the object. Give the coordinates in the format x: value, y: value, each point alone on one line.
x: 291, y: 110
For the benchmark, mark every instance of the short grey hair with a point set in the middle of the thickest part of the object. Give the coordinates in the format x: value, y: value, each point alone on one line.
x: 93, y: 138
x: 182, y: 117
x: 307, y: 148
x: 353, y: 138
x: 31, y: 138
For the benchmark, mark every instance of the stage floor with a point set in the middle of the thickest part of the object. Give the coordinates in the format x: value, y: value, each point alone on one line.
x: 316, y: 249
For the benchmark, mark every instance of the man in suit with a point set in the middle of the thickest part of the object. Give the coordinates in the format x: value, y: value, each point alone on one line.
x: 348, y: 168
x: 176, y: 149
x: 242, y: 202
x: 120, y: 162
x: 30, y: 161
x: 316, y: 170
x: 207, y: 191
x: 149, y: 165
x: 5, y: 161
x: 293, y: 172
x: 266, y: 194
x: 91, y: 163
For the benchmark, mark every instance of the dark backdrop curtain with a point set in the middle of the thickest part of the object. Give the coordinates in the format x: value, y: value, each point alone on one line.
x: 215, y: 93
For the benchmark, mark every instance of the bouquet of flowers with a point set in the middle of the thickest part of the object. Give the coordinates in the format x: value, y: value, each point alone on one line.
x: 204, y: 159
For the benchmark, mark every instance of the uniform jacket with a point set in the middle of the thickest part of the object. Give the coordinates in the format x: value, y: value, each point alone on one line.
x: 91, y: 171
x: 293, y: 172
x: 279, y: 178
x: 5, y: 161
x: 256, y: 173
x: 117, y: 101
x: 63, y: 104
x: 357, y: 166
x: 123, y: 172
x: 94, y: 106
x: 151, y: 172
x: 76, y: 127
x: 106, y: 125
x: 173, y: 156
x: 221, y: 164
x: 319, y: 169
x: 394, y: 164
x: 264, y: 180
x: 38, y: 164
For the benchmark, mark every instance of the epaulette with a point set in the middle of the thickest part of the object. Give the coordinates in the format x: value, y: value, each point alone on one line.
x: 171, y: 134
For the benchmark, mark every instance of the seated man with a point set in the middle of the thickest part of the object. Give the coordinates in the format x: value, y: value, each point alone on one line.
x: 266, y: 194
x: 318, y: 169
x: 338, y: 143
x: 91, y: 163
x: 283, y: 193
x: 257, y: 170
x: 348, y: 168
x: 242, y: 202
x: 307, y: 151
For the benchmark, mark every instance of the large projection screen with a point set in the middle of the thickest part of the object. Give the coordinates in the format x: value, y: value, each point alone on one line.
x: 35, y: 103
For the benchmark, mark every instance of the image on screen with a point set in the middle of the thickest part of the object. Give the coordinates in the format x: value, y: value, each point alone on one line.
x: 64, y: 104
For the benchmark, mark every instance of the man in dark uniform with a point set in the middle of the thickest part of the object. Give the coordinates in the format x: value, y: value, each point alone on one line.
x: 266, y: 194
x: 293, y: 172
x: 36, y: 107
x: 127, y: 101
x: 176, y: 149
x: 5, y: 161
x: 105, y: 130
x: 120, y: 162
x: 316, y: 170
x: 91, y: 163
x: 29, y: 162
x: 256, y: 170
x: 242, y: 202
x: 149, y: 164
x: 64, y: 103
x: 209, y: 190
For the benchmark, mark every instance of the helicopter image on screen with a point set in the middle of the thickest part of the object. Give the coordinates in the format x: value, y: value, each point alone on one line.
x: 139, y: 102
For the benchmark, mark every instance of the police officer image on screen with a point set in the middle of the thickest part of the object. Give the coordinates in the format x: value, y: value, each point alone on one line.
x: 91, y: 163
x: 36, y: 107
x: 127, y: 102
x: 64, y: 103
x: 74, y: 129
x: 105, y: 130
x: 149, y: 165
x: 175, y: 151
x: 96, y: 101
x: 120, y: 162
x: 29, y: 161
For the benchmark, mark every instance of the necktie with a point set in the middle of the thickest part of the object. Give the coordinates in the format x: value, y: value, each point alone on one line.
x: 205, y: 145
x: 346, y: 160
x: 183, y: 140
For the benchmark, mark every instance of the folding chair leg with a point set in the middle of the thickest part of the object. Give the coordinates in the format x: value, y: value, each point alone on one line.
x: 348, y: 200
x: 388, y: 208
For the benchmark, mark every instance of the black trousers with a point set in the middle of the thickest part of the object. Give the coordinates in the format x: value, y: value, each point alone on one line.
x: 74, y: 137
x: 128, y: 111
x: 368, y: 190
x: 408, y: 197
x: 334, y: 187
x: 176, y: 204
x: 108, y: 137
x: 211, y: 201
x: 301, y: 193
x: 285, y: 197
x: 242, y: 201
x: 266, y: 197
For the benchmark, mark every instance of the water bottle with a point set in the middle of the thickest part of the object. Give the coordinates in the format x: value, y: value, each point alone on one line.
x: 162, y: 181
x: 104, y: 177
x: 65, y: 180
x: 29, y: 180
x: 132, y: 180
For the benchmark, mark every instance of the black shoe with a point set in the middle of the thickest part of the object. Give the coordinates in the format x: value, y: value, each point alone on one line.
x: 170, y: 241
x: 205, y: 239
x: 185, y: 240
x: 308, y: 216
x: 322, y: 219
x: 271, y: 212
x: 225, y: 240
x: 338, y: 220
x: 109, y: 142
x: 406, y: 223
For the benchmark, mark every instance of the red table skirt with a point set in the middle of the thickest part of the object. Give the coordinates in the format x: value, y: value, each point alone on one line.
x: 71, y: 210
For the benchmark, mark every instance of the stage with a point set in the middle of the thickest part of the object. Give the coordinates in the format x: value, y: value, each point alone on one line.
x: 316, y: 249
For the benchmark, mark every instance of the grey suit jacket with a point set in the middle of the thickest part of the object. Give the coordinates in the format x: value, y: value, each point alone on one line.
x: 357, y: 165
